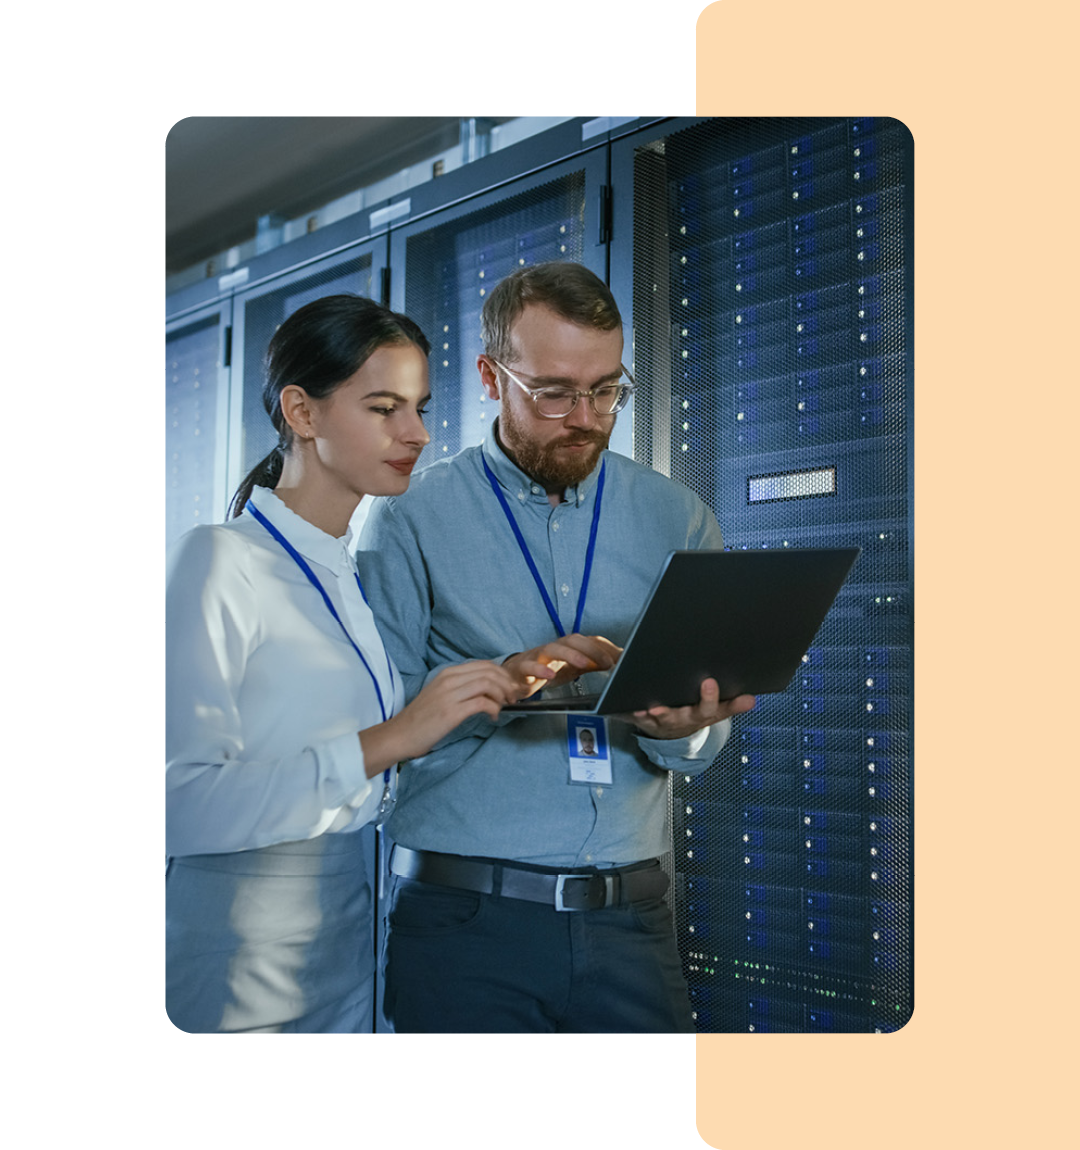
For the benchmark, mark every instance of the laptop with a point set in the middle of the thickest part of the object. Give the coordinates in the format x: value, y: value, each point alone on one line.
x: 744, y: 618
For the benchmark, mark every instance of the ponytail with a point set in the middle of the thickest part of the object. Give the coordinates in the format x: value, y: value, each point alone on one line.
x: 265, y: 473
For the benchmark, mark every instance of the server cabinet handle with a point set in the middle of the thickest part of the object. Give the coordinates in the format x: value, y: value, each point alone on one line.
x: 604, y: 214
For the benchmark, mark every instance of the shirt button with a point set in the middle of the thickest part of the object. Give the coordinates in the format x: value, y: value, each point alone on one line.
x: 599, y: 790
x: 536, y: 491
x: 588, y: 858
x: 555, y: 526
x: 565, y: 589
x: 521, y: 496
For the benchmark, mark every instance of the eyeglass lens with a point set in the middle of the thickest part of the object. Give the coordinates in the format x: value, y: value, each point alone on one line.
x: 605, y: 400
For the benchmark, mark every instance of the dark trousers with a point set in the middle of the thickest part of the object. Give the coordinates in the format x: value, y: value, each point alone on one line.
x: 461, y: 962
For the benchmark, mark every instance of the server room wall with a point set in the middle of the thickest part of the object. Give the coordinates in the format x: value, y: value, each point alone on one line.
x: 764, y: 269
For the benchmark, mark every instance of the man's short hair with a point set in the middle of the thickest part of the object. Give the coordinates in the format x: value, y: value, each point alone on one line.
x: 570, y: 290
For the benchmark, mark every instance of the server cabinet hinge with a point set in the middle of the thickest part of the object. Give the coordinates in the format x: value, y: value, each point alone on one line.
x: 226, y: 346
x: 384, y: 287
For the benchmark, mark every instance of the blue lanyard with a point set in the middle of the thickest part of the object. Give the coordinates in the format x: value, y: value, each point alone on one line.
x: 528, y: 554
x: 314, y: 579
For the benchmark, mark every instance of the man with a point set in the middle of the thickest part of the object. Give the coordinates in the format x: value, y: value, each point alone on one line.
x: 528, y: 895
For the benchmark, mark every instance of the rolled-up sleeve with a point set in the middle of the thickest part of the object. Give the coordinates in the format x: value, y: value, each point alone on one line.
x: 692, y: 754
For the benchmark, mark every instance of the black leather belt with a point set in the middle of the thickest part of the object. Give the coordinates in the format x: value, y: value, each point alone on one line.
x: 569, y: 891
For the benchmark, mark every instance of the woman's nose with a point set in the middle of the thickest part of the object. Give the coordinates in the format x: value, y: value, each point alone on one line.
x: 417, y: 432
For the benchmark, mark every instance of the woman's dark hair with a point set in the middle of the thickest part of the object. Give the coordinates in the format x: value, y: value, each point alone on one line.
x: 318, y: 348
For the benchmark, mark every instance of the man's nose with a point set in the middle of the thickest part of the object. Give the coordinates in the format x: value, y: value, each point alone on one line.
x: 583, y: 416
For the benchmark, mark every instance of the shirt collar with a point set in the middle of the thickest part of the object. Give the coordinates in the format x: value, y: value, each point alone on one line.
x: 312, y: 542
x: 514, y: 480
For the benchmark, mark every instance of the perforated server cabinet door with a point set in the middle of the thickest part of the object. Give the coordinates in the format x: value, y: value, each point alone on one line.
x: 770, y: 268
x: 196, y: 419
x: 443, y: 266
x: 259, y: 313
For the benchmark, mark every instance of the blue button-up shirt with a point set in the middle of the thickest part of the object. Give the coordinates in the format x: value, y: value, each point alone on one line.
x: 447, y: 582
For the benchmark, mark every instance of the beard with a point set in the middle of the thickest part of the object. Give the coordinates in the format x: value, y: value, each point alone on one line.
x: 544, y: 463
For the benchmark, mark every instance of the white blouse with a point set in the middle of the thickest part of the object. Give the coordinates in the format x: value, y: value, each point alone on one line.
x: 265, y: 695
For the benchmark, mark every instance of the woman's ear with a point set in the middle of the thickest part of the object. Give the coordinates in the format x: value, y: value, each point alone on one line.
x: 489, y: 380
x: 298, y: 411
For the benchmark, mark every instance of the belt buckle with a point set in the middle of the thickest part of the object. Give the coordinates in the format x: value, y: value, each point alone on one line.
x: 560, y: 882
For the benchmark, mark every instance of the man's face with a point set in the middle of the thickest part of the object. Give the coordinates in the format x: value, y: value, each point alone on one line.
x: 550, y: 351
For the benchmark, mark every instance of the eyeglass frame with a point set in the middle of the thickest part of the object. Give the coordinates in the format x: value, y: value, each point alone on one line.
x: 534, y: 393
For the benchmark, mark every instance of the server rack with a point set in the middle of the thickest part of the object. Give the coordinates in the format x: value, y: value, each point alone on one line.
x: 196, y: 417
x: 770, y: 272
x: 444, y: 261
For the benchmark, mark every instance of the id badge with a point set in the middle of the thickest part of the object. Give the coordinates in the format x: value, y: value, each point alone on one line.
x: 588, y: 749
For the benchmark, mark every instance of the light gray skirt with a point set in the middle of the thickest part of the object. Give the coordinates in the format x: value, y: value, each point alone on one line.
x: 274, y: 940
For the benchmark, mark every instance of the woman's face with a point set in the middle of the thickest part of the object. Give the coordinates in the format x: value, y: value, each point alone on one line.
x: 369, y: 432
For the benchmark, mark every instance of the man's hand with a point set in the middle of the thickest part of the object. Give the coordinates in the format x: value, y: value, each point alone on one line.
x: 561, y: 661
x: 678, y: 722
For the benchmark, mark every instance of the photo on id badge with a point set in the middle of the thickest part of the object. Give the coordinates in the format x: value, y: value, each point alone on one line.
x: 587, y: 748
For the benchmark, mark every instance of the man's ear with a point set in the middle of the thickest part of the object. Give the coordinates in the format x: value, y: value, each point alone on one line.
x: 489, y: 380
x: 298, y: 410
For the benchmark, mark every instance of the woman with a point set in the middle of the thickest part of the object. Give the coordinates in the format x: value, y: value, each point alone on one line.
x: 285, y: 716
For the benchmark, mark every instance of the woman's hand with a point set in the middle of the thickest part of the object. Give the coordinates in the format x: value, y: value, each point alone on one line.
x: 454, y: 695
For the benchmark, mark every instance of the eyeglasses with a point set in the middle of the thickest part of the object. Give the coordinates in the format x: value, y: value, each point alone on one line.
x: 558, y: 402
